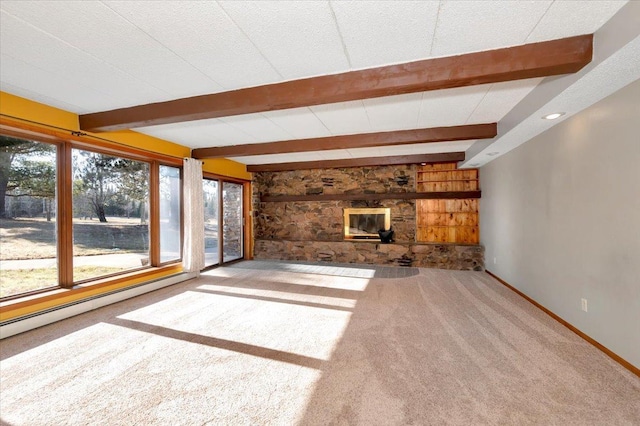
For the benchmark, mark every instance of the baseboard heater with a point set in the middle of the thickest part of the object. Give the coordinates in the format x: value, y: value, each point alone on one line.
x: 24, y: 323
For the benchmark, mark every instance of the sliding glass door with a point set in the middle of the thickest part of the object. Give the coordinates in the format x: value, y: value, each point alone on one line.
x: 232, y: 221
x: 223, y: 221
x: 211, y: 221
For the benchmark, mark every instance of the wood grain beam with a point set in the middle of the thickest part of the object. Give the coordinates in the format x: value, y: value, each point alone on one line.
x: 452, y: 195
x: 541, y: 59
x: 362, y: 140
x: 446, y: 157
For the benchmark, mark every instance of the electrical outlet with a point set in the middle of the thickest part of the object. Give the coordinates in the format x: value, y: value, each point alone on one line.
x: 584, y: 305
x: 495, y: 260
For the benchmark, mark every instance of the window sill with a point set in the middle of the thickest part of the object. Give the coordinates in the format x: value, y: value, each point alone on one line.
x: 31, y: 304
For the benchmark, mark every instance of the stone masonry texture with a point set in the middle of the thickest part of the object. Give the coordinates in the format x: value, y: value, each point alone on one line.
x: 313, y: 230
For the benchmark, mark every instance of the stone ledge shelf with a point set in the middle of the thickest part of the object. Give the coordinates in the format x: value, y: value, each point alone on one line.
x: 464, y: 257
x: 452, y: 195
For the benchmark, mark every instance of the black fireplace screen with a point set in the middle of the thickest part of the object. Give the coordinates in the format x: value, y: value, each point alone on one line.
x: 364, y: 223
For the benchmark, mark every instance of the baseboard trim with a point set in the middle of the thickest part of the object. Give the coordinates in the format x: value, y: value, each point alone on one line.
x: 617, y: 358
x: 38, y: 319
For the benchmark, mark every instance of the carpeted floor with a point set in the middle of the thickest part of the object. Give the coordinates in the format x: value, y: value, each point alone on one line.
x: 268, y: 343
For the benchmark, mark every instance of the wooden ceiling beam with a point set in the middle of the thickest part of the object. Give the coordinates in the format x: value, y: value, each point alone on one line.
x: 446, y: 157
x: 541, y: 59
x: 361, y: 140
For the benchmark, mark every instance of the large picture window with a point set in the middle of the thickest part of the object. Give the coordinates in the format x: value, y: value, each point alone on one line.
x: 72, y: 212
x: 28, y: 216
x: 110, y: 214
x: 82, y: 211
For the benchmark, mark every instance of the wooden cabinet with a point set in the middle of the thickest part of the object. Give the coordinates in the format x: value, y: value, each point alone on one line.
x: 447, y: 221
x: 445, y: 177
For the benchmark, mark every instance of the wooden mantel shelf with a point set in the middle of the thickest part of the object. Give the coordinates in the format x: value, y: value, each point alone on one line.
x: 452, y: 195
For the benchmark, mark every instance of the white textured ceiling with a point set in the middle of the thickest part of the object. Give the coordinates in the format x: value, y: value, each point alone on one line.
x: 89, y: 56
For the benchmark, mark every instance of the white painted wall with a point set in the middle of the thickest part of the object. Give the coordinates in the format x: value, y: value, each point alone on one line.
x: 561, y: 216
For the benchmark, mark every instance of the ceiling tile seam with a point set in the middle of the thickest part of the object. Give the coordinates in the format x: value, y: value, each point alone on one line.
x: 344, y: 46
x: 419, y: 110
x: 321, y: 122
x: 165, y: 47
x: 364, y: 107
x: 435, y: 29
x: 479, y: 102
x: 92, y: 88
x: 278, y: 126
x: 238, y: 128
x: 273, y: 67
x: 539, y: 20
x: 104, y: 63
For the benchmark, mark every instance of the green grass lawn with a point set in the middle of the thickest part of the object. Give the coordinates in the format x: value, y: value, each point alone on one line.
x: 35, y: 238
x: 15, y: 281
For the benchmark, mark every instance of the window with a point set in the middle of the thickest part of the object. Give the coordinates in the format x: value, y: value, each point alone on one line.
x: 28, y: 219
x: 170, y: 214
x: 76, y: 211
x: 211, y: 218
x: 231, y: 221
x: 110, y: 214
x: 224, y: 221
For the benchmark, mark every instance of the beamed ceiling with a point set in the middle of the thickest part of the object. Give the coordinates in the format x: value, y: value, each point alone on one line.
x: 292, y: 84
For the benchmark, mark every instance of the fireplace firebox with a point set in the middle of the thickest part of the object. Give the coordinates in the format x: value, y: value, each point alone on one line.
x: 364, y: 223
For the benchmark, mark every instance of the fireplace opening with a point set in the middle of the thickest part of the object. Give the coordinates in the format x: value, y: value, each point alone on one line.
x: 364, y: 223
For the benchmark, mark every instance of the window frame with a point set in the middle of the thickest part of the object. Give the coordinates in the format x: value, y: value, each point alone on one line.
x: 59, y: 155
x: 64, y: 210
x: 156, y: 223
x: 247, y: 212
x: 243, y: 221
x: 219, y: 221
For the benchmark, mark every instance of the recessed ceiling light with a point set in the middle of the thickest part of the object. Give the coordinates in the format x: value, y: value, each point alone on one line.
x: 553, y: 116
x: 491, y: 154
x: 423, y: 164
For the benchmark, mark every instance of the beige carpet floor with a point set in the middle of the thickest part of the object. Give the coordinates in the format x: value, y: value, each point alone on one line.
x: 263, y: 343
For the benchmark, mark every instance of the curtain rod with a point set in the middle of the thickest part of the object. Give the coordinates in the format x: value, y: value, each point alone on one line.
x: 191, y: 158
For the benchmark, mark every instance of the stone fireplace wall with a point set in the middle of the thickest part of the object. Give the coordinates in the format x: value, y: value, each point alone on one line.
x: 313, y: 230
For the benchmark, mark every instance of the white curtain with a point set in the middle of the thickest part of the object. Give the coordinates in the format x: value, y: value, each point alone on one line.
x: 193, y: 247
